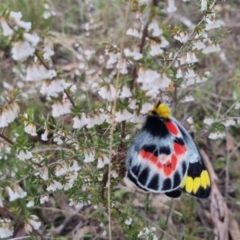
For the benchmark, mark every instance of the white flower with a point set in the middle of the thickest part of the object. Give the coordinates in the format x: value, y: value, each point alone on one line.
x: 108, y: 92
x: 24, y: 155
x: 122, y: 66
x: 133, y: 32
x: 44, y: 198
x: 54, y: 87
x: 73, y: 166
x: 136, y: 55
x: 171, y: 6
x: 89, y: 156
x: 79, y: 123
x: 1, y: 201
x: 203, y: 5
x: 198, y: 45
x: 155, y: 49
x: 55, y: 185
x: 43, y: 173
x: 183, y: 59
x: 128, y: 221
x: 188, y: 98
x: 133, y: 104
x: 125, y: 93
x: 144, y: 2
x: 30, y: 128
x: 211, y: 48
x: 151, y: 92
x: 102, y: 161
x: 61, y: 108
x: 191, y: 57
x: 146, y: 107
x: 6, y: 228
x: 7, y: 31
x: 22, y: 50
x: 91, y: 122
x: 179, y: 73
x: 16, y: 193
x: 212, y: 24
x: 48, y: 52
x: 58, y: 136
x: 188, y: 82
x: 229, y: 122
x: 114, y: 174
x: 32, y: 223
x: 155, y: 236
x: 148, y: 75
x: 113, y: 58
x: 44, y: 136
x: 237, y: 105
x: 165, y: 81
x: 123, y: 116
x: 190, y: 120
x: 8, y: 114
x: 216, y: 135
x: 32, y: 38
x: 159, y: 83
x: 154, y: 27
x: 208, y: 121
x: 37, y: 72
x: 200, y: 79
x: 25, y: 25
x: 190, y: 73
x: 97, y: 120
x: 30, y: 204
x: 61, y: 169
x: 137, y: 118
x: 164, y: 43
x: 15, y: 15
x: 182, y: 37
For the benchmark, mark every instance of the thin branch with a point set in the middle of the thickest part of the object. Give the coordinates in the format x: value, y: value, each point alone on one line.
x: 8, y: 140
x: 69, y: 97
x: 41, y: 60
x: 168, y: 217
x: 227, y: 166
x: 141, y: 47
x: 112, y: 130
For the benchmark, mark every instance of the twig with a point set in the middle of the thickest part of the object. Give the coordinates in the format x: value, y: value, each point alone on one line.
x: 8, y: 140
x: 112, y: 130
x: 41, y: 60
x: 69, y: 97
x: 168, y: 216
x: 141, y: 46
x: 227, y: 166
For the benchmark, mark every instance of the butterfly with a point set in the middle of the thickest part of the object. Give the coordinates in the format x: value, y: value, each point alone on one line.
x: 163, y: 158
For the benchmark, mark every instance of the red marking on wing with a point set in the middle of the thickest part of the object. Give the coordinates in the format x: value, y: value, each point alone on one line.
x: 179, y: 149
x: 174, y: 161
x: 148, y: 156
x: 172, y: 128
x: 168, y: 168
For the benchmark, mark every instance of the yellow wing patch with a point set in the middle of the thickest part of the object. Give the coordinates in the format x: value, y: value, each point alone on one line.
x: 205, y: 179
x: 194, y: 185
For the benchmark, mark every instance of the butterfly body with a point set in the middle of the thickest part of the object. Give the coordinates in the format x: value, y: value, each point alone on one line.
x: 163, y: 158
